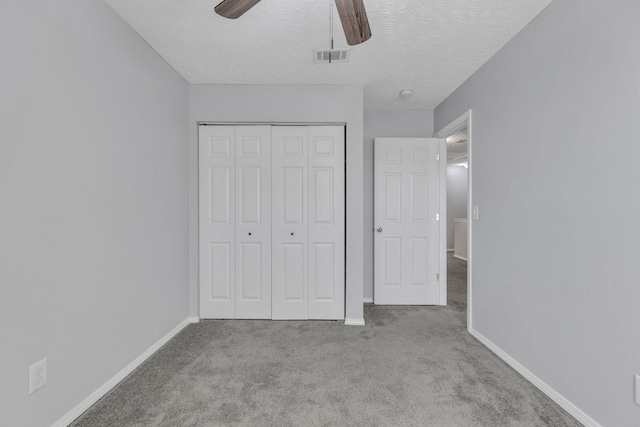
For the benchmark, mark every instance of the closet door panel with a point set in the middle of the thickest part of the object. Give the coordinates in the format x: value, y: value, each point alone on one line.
x: 326, y: 162
x: 323, y: 266
x: 250, y: 194
x: 217, y: 221
x: 272, y: 222
x: 249, y: 272
x: 293, y: 277
x: 289, y: 229
x: 253, y: 222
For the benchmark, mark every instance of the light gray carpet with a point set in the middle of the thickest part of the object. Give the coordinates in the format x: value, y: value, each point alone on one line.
x: 456, y: 281
x: 410, y: 366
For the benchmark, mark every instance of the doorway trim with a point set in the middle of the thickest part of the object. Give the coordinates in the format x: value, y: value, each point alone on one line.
x: 463, y: 120
x: 442, y: 204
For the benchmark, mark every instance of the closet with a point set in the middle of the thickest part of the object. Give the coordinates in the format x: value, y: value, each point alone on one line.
x: 272, y: 222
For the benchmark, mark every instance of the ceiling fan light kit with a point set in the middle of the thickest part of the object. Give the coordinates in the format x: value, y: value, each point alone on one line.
x: 352, y: 15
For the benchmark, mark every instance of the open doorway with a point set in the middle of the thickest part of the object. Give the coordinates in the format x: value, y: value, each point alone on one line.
x: 458, y: 136
x: 457, y: 223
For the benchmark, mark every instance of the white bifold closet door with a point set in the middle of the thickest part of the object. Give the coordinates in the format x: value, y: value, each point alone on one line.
x: 235, y: 222
x: 272, y: 222
x: 308, y: 190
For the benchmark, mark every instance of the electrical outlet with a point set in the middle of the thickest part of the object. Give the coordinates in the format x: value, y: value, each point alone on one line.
x: 37, y: 375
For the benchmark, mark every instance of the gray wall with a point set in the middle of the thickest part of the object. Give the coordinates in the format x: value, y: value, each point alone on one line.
x: 378, y: 124
x: 276, y: 104
x: 556, y: 119
x: 93, y: 194
x: 457, y: 193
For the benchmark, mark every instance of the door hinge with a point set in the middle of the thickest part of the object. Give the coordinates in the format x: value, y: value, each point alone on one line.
x: 438, y: 156
x: 438, y: 277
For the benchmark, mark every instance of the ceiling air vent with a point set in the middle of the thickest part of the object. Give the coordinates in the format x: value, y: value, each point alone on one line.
x: 327, y: 56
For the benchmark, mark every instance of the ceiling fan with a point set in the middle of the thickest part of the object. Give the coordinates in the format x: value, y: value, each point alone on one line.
x: 352, y: 15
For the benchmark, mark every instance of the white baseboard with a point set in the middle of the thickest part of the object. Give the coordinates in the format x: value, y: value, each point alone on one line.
x: 459, y: 257
x: 368, y: 300
x: 544, y: 387
x: 354, y: 322
x: 106, y: 387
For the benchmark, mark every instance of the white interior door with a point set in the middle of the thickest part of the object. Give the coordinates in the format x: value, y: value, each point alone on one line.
x: 235, y: 222
x: 253, y: 222
x: 308, y: 222
x: 406, y: 208
x: 290, y: 226
x: 217, y: 221
x: 326, y: 222
x: 272, y: 222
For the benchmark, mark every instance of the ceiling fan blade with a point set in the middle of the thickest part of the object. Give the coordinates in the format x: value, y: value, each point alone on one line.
x: 354, y: 21
x: 233, y: 9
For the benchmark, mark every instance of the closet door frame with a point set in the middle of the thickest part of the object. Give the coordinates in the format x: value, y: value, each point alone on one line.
x: 204, y: 314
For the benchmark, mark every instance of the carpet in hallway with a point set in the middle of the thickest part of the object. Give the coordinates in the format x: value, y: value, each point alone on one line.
x: 456, y: 281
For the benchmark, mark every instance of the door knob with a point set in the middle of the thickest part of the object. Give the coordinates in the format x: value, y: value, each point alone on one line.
x: 379, y: 229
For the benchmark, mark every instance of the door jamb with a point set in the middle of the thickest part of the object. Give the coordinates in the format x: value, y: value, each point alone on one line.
x: 442, y: 176
x: 454, y: 126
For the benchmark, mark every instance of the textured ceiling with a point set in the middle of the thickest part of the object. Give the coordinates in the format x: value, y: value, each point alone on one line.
x: 429, y: 46
x: 457, y: 147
